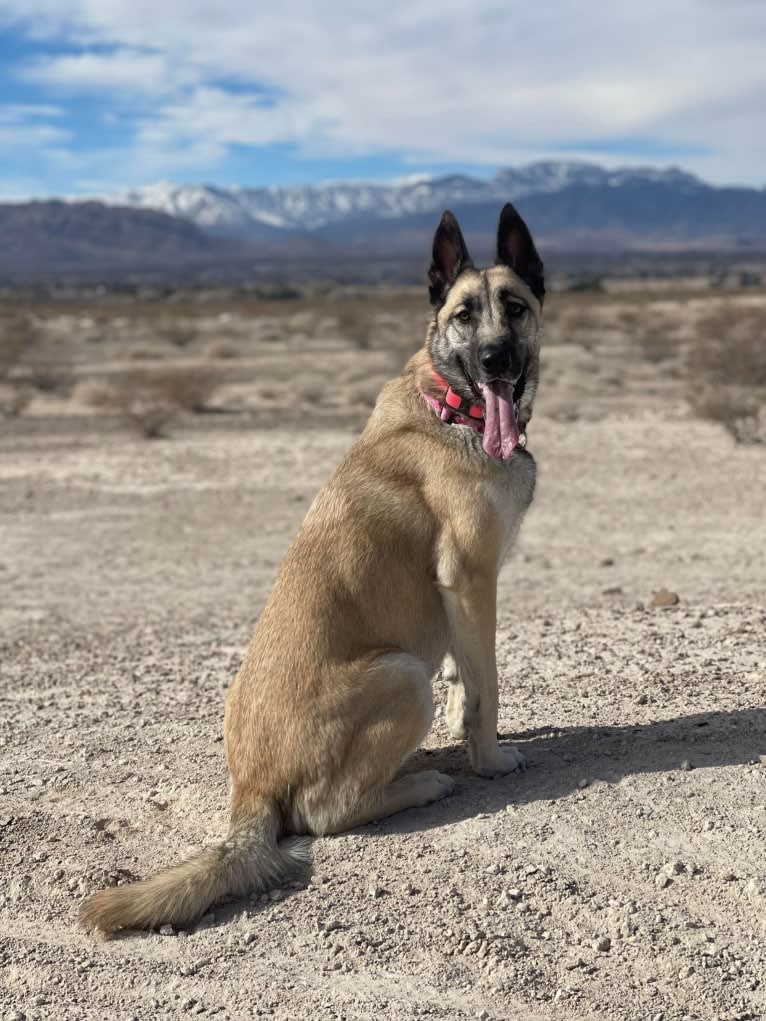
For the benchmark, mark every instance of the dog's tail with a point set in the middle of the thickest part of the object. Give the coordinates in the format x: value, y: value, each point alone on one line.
x: 250, y: 859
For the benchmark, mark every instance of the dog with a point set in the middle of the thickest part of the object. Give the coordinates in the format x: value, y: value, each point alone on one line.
x: 392, y: 575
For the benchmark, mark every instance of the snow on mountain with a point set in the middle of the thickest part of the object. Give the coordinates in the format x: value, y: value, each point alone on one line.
x: 241, y: 211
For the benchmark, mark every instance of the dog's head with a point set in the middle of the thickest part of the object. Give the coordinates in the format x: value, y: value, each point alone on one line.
x: 484, y: 336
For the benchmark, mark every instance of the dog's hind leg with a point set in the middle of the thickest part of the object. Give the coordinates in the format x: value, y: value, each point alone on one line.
x: 396, y: 711
x: 455, y: 714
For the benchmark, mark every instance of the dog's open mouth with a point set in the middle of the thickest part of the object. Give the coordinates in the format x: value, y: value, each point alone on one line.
x: 501, y: 434
x: 501, y: 425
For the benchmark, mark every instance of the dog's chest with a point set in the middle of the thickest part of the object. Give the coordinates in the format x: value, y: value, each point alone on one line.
x: 507, y: 501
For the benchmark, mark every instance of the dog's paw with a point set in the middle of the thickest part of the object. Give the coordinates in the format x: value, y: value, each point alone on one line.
x: 457, y: 729
x: 433, y: 786
x: 500, y: 761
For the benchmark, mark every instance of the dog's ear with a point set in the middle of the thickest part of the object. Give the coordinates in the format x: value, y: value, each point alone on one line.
x: 450, y: 257
x: 515, y: 248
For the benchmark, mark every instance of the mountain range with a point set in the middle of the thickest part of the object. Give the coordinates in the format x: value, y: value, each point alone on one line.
x: 570, y: 207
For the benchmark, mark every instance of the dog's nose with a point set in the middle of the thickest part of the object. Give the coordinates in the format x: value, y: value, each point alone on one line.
x: 495, y: 359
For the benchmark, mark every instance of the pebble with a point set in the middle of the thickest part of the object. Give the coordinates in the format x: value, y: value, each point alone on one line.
x: 15, y: 1015
x: 755, y: 889
x: 248, y: 938
x: 167, y: 930
x: 664, y: 598
x: 375, y: 892
x: 686, y: 766
x: 662, y: 880
x: 583, y: 783
x: 603, y: 944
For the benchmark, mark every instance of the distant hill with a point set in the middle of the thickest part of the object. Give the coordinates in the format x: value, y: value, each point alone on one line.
x: 332, y: 229
x: 38, y: 239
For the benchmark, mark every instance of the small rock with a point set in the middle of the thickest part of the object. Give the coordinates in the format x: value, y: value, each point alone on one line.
x: 167, y: 930
x: 662, y: 880
x: 583, y: 783
x: 755, y: 890
x: 482, y: 1015
x: 514, y: 893
x: 603, y: 944
x: 686, y: 972
x: 642, y: 699
x: 276, y: 894
x: 664, y: 598
x: 248, y: 938
x: 686, y: 766
x: 607, y: 562
x: 375, y: 892
x: 15, y: 1015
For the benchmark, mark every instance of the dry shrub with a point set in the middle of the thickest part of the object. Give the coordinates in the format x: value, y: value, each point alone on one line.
x: 356, y: 322
x: 222, y: 349
x: 13, y: 399
x: 145, y: 354
x: 149, y: 399
x: 18, y: 336
x: 30, y: 359
x: 656, y: 343
x: 175, y: 332
x: 727, y: 370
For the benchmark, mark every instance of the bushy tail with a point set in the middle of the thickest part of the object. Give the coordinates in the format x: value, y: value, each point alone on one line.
x: 250, y: 859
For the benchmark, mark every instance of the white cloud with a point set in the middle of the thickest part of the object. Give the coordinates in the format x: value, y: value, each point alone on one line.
x: 122, y: 70
x: 483, y: 82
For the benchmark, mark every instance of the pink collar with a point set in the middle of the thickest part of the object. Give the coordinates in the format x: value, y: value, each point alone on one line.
x: 452, y: 408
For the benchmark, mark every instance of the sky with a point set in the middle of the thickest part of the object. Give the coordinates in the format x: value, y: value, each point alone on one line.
x: 100, y: 95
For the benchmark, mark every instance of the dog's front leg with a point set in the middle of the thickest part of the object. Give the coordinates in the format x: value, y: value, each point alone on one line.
x: 455, y: 714
x: 470, y: 602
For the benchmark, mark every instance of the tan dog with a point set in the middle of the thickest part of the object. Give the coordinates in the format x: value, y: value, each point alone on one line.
x: 394, y: 568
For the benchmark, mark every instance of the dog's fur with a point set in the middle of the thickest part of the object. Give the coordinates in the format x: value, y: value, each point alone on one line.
x: 394, y: 569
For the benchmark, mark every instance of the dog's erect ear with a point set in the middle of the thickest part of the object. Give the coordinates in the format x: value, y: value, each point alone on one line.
x: 515, y: 248
x: 450, y: 258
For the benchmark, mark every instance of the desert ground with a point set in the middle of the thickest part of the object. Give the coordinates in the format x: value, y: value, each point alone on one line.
x: 156, y: 456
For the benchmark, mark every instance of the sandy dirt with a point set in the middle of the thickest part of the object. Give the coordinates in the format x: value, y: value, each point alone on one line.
x: 623, y: 876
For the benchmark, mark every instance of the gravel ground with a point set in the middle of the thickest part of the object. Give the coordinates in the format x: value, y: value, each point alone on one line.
x: 621, y: 877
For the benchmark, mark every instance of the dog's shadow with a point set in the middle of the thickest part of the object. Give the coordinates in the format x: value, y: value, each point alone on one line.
x: 560, y: 760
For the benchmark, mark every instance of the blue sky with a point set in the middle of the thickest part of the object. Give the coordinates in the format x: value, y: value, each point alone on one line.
x: 100, y: 95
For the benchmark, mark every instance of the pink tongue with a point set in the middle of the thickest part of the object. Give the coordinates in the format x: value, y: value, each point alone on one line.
x: 501, y: 431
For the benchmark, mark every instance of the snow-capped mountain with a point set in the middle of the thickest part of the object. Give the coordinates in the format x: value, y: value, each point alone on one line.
x: 245, y: 212
x: 575, y: 208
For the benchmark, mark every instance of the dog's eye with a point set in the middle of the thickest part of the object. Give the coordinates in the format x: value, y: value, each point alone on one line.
x: 463, y: 316
x: 516, y: 309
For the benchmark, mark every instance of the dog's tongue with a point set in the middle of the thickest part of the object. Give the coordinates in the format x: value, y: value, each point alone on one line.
x: 501, y: 430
